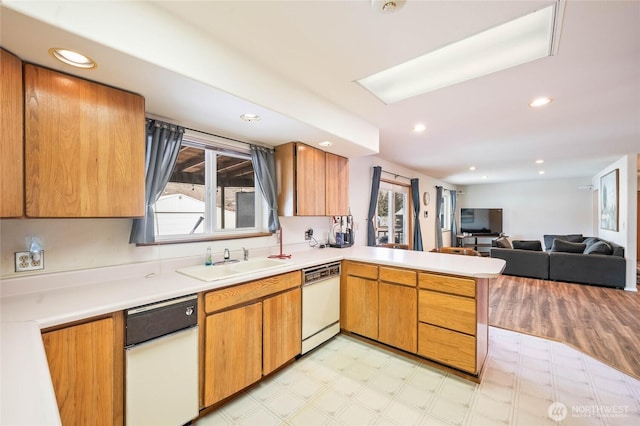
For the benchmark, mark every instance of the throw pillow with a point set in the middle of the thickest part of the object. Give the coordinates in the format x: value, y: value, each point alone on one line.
x: 527, y: 245
x: 589, y: 241
x: 502, y: 242
x: 567, y: 246
x: 600, y: 247
x: 574, y: 238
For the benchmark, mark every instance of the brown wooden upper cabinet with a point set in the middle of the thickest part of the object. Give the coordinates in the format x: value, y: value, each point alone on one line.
x: 311, y: 182
x: 11, y: 157
x: 84, y: 147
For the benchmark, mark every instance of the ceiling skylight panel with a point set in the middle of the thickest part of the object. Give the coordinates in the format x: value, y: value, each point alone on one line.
x: 516, y: 42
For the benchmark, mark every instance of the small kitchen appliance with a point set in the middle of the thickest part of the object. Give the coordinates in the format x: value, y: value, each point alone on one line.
x: 341, y: 233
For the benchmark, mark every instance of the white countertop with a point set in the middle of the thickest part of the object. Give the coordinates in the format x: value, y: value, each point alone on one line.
x: 29, y: 304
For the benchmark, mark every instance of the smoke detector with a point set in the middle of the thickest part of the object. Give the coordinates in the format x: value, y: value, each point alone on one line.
x: 387, y: 6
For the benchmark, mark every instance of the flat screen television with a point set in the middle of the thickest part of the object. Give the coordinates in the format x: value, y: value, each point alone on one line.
x: 481, y: 221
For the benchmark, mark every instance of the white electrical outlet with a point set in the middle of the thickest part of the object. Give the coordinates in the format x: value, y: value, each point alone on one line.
x: 24, y: 261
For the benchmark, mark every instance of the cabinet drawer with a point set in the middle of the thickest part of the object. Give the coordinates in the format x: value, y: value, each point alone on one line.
x: 448, y: 347
x: 447, y: 284
x: 398, y: 276
x: 361, y: 270
x: 448, y: 311
x: 241, y: 293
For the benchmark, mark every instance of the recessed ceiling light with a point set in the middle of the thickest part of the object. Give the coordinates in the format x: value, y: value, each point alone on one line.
x: 250, y: 117
x: 516, y: 42
x: 419, y: 128
x: 485, y: 177
x: 325, y: 143
x: 540, y: 172
x: 539, y: 161
x: 472, y: 168
x: 73, y: 58
x: 538, y: 102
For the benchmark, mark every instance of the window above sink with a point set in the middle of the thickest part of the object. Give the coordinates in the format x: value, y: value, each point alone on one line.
x: 211, y: 193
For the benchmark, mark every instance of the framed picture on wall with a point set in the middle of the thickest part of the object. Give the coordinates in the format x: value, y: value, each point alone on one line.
x: 609, y: 201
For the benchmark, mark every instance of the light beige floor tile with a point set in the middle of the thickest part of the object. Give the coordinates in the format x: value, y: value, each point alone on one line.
x: 373, y: 399
x: 308, y: 416
x: 403, y: 413
x: 356, y: 414
x: 347, y: 382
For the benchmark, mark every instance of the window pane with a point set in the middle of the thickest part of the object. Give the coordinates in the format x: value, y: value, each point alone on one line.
x: 180, y: 209
x: 400, y: 218
x: 392, y: 216
x: 235, y: 193
x: 209, y: 191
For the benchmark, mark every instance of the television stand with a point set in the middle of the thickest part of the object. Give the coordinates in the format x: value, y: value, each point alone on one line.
x: 478, y: 242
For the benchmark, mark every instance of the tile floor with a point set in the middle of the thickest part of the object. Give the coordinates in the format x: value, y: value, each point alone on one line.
x: 526, y: 381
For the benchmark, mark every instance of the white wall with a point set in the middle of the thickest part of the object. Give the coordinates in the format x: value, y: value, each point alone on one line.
x: 73, y: 244
x: 627, y: 232
x: 534, y: 208
x: 360, y: 173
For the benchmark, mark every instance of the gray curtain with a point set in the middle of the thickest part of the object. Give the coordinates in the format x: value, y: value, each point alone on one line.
x: 417, y: 234
x: 438, y: 213
x: 265, y: 166
x: 163, y: 144
x: 373, y: 202
x: 454, y: 227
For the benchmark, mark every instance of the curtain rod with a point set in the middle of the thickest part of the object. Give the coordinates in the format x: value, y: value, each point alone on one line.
x: 219, y: 136
x: 395, y: 174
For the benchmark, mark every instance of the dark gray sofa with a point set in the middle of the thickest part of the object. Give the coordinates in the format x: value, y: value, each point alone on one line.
x: 591, y: 268
x: 523, y: 263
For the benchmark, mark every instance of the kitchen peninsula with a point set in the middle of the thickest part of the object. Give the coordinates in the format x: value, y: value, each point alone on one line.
x: 38, y: 302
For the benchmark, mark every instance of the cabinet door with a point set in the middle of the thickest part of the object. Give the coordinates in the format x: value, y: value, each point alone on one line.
x: 310, y: 179
x: 11, y: 136
x: 361, y: 306
x: 336, y: 185
x: 233, y: 351
x: 86, y: 364
x: 398, y: 318
x: 84, y: 147
x: 282, y: 329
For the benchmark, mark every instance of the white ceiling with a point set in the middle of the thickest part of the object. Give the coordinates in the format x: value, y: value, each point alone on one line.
x: 295, y: 63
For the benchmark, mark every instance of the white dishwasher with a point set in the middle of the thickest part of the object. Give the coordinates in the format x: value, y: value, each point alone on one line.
x: 320, y: 304
x: 161, y: 352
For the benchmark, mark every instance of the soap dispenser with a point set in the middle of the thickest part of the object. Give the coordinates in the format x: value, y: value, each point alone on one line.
x: 208, y: 261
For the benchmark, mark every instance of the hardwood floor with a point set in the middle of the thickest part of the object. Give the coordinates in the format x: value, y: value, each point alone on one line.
x: 601, y: 322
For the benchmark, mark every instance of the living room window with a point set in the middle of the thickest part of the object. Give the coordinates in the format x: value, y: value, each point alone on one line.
x: 211, y: 192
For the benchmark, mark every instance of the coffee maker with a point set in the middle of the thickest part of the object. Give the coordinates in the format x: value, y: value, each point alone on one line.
x: 341, y: 232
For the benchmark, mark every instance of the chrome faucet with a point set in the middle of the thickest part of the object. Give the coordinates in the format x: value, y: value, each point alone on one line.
x: 245, y: 253
x: 226, y: 254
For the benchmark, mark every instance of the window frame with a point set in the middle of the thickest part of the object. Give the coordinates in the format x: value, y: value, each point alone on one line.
x: 445, y: 225
x: 408, y: 215
x: 214, y: 146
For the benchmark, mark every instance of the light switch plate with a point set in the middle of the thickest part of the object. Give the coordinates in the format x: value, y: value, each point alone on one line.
x: 24, y: 262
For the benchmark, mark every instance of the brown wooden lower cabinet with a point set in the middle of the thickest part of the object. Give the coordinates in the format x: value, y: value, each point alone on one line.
x: 439, y: 317
x: 250, y: 330
x: 361, y: 306
x: 86, y: 365
x: 282, y: 329
x: 233, y: 351
x: 448, y: 347
x: 397, y: 325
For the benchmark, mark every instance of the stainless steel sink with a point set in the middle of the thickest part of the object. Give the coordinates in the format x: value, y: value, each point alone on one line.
x: 228, y: 270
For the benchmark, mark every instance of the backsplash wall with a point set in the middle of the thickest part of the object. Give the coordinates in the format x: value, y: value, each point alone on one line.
x: 73, y: 244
